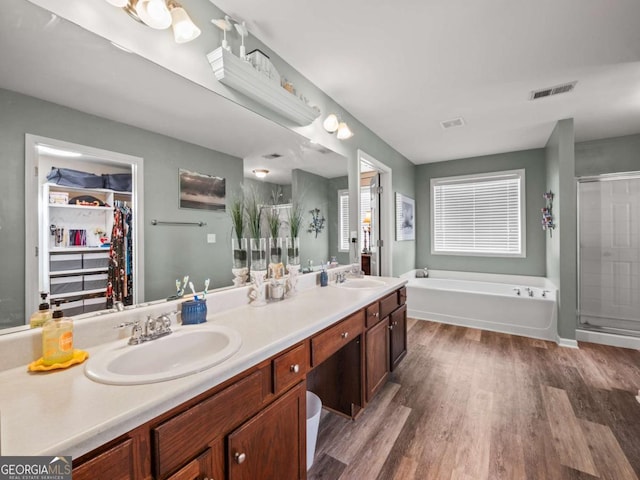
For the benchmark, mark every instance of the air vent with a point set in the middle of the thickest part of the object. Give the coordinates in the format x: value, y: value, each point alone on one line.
x: 272, y: 156
x: 455, y: 122
x: 547, y: 92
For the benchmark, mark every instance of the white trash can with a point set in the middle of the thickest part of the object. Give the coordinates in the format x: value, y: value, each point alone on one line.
x: 314, y: 408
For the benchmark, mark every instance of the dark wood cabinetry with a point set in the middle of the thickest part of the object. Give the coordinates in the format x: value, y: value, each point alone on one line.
x: 272, y: 445
x: 377, y: 355
x: 365, y: 263
x: 398, y: 337
x: 200, y: 468
x: 253, y: 426
x: 114, y: 463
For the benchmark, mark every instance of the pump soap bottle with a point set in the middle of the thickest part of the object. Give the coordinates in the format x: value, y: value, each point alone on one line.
x: 40, y: 317
x: 57, y: 338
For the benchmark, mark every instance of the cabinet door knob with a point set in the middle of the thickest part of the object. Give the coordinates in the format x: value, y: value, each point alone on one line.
x: 294, y: 368
x: 377, y: 314
x: 344, y: 334
x: 239, y: 458
x: 390, y: 327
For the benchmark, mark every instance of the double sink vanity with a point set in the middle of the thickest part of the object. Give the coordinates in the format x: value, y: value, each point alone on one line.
x: 221, y: 400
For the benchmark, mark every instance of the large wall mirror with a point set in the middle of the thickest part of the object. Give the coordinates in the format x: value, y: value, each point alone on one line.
x: 70, y: 86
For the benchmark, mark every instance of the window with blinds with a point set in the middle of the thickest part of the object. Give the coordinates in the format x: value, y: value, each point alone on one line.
x: 343, y: 212
x: 482, y: 215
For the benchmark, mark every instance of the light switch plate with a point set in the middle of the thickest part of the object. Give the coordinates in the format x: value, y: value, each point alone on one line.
x: 211, y: 238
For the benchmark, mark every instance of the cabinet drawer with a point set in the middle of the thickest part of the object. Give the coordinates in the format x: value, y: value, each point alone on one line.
x: 181, y: 438
x: 330, y: 341
x: 115, y: 463
x: 402, y: 296
x: 289, y: 368
x: 388, y: 304
x: 373, y: 314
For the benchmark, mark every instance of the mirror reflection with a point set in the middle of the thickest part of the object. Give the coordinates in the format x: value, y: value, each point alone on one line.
x: 122, y: 114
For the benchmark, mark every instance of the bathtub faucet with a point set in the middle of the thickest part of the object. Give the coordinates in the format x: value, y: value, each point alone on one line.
x: 529, y: 291
x: 517, y: 290
x: 426, y: 272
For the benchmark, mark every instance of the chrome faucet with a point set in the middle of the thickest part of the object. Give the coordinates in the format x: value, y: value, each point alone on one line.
x: 341, y: 277
x: 529, y: 291
x: 517, y: 290
x: 150, y: 329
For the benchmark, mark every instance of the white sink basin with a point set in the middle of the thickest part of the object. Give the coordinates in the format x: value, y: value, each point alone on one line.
x: 361, y: 283
x: 184, y: 352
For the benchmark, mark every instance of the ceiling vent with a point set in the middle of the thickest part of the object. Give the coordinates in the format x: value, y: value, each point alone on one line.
x: 547, y: 92
x: 455, y: 122
x: 272, y: 156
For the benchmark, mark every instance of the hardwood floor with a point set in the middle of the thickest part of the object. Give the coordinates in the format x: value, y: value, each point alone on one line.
x: 473, y: 405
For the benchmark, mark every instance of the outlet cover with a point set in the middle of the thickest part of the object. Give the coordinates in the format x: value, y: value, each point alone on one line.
x: 211, y: 238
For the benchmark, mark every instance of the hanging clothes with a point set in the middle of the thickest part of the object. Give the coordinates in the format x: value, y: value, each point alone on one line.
x: 120, y: 286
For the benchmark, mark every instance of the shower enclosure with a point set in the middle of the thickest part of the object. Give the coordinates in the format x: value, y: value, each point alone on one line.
x: 609, y: 253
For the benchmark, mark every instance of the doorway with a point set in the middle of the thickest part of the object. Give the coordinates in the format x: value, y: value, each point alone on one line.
x: 375, y: 215
x: 75, y: 235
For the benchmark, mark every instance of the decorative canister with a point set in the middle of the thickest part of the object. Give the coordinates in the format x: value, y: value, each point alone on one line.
x: 194, y: 311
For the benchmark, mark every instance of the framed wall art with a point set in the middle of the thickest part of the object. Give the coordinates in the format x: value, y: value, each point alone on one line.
x: 202, y: 192
x: 405, y: 217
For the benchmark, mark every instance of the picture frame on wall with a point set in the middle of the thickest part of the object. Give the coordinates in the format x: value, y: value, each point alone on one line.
x: 405, y: 218
x: 202, y: 192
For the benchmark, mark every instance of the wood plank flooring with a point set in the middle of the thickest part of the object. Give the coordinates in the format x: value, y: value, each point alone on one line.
x: 474, y: 405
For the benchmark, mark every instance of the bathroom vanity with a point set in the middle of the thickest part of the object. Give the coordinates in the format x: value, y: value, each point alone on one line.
x: 242, y: 419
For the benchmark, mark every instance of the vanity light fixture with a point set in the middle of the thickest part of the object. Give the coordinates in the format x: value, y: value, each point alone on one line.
x: 261, y: 172
x: 333, y: 124
x: 161, y: 14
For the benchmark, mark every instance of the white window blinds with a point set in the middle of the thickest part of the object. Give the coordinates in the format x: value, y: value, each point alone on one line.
x: 365, y: 208
x: 479, y: 215
x: 343, y: 211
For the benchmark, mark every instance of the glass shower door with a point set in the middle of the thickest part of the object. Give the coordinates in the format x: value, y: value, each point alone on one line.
x: 609, y: 240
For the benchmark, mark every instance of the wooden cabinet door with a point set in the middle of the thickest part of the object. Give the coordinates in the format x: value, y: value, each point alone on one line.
x: 398, y: 329
x: 115, y: 463
x: 272, y: 445
x: 199, y: 468
x: 377, y: 354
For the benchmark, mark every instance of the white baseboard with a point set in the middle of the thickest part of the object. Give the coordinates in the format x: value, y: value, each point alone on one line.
x: 611, y: 339
x: 567, y: 342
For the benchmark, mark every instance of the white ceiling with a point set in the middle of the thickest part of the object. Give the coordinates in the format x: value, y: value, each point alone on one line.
x: 50, y: 58
x: 402, y: 67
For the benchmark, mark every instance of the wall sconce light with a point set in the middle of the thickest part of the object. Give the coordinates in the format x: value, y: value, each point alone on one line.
x: 161, y: 14
x: 333, y: 124
x: 261, y: 172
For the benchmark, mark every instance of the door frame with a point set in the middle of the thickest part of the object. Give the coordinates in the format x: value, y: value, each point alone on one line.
x: 32, y: 204
x: 387, y: 210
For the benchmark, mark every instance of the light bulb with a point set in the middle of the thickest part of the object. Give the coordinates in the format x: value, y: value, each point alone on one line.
x: 331, y: 123
x: 344, y: 131
x: 154, y: 13
x: 184, y: 30
x: 261, y: 173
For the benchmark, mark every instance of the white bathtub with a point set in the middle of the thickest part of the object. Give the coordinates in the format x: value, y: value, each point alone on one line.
x: 485, y: 305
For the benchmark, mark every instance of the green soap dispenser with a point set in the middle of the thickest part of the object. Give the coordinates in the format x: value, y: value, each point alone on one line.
x: 44, y: 313
x: 57, y: 338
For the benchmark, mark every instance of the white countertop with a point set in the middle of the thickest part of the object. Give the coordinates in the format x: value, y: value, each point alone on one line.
x: 65, y: 413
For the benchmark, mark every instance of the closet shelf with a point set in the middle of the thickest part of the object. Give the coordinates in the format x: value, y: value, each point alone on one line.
x: 79, y: 271
x: 77, y: 249
x: 82, y: 207
x: 78, y: 294
x: 240, y: 75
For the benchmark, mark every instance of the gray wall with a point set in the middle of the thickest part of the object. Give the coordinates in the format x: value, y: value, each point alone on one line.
x: 266, y: 190
x: 170, y: 252
x: 533, y: 161
x: 312, y: 191
x: 561, y: 247
x: 609, y: 155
